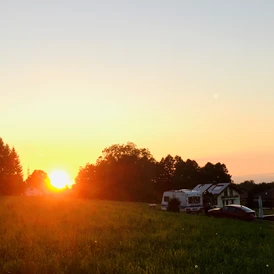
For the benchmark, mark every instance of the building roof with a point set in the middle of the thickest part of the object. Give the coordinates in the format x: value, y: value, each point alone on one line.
x: 218, y: 189
x: 202, y: 187
x: 211, y: 188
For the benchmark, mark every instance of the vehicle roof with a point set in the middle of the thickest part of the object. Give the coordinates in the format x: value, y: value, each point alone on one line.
x: 238, y: 206
x: 234, y: 205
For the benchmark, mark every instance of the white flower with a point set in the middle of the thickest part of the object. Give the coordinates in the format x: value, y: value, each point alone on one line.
x: 196, y: 266
x: 216, y: 233
x: 267, y: 265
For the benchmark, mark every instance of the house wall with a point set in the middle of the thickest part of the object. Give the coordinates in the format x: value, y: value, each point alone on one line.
x: 228, y: 198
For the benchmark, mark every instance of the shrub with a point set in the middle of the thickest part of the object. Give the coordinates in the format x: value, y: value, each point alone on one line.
x: 174, y: 205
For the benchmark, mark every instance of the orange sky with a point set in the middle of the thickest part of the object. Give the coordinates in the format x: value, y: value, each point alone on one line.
x: 177, y: 77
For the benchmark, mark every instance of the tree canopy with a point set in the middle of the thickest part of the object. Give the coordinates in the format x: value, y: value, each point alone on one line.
x: 38, y: 179
x: 11, y: 174
x: 126, y: 172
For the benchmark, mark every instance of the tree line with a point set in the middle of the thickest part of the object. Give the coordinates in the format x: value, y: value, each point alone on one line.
x: 124, y: 172
x: 251, y: 188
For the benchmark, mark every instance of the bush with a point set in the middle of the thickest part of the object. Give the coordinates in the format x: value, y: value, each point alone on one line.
x: 174, y: 205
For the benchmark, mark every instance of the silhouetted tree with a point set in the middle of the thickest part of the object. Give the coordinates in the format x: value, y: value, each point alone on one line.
x: 177, y: 174
x: 253, y: 189
x: 86, y: 185
x: 250, y: 188
x: 11, y: 174
x: 127, y: 172
x: 247, y: 185
x: 165, y: 173
x: 123, y: 172
x: 4, y: 158
x: 38, y: 179
x: 15, y: 173
x: 215, y: 174
x: 179, y: 180
x: 191, y: 174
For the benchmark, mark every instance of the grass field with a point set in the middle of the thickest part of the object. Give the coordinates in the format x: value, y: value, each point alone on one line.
x: 49, y: 236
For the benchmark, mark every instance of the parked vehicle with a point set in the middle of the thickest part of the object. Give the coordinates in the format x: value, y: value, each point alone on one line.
x: 191, y: 200
x: 233, y: 211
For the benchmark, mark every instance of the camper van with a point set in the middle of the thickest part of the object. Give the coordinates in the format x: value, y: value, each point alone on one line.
x: 191, y: 200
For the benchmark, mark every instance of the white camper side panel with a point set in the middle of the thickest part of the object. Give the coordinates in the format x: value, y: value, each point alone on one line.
x: 194, y: 202
x: 191, y: 201
x: 166, y: 198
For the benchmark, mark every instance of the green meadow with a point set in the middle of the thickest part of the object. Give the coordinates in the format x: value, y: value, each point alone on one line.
x: 58, y: 236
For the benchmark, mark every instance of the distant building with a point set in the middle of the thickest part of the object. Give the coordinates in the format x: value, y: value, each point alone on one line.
x: 32, y: 191
x: 220, y: 195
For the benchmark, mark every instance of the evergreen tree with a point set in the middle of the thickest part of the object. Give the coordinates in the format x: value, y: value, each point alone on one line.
x: 15, y: 173
x: 4, y: 155
x: 11, y: 174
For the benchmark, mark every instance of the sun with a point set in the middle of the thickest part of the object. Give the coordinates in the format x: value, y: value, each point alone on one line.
x: 59, y: 179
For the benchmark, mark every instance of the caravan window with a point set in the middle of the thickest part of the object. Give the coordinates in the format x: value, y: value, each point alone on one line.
x: 194, y: 200
x: 166, y: 199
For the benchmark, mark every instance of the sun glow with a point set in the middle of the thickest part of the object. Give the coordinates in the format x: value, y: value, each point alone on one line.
x: 60, y: 179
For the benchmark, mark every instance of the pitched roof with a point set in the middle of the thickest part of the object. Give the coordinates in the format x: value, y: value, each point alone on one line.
x: 219, y: 188
x: 213, y: 189
x: 202, y: 187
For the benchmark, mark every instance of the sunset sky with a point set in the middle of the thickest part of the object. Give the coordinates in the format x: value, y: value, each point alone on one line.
x: 193, y: 78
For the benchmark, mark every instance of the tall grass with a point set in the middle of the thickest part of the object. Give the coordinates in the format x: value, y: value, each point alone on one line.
x: 47, y: 235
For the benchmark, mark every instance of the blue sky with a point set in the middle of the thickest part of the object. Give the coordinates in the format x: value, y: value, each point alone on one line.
x: 192, y: 78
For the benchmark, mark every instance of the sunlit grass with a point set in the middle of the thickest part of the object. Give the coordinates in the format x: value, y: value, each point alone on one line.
x: 52, y: 235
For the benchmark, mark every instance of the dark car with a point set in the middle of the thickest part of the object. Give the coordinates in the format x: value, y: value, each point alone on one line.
x: 239, y: 212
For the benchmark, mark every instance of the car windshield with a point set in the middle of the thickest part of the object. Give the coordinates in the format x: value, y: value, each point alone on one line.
x: 246, y: 209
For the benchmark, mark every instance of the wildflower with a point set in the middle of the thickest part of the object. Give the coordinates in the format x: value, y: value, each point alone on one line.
x: 267, y: 265
x: 216, y: 233
x: 196, y: 266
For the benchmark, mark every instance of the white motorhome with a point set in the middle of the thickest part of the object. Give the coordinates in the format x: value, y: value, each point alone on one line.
x: 191, y: 200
